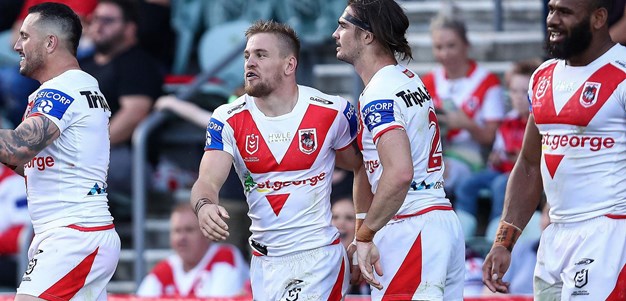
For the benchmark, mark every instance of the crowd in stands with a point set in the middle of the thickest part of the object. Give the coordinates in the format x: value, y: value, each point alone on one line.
x: 129, y: 46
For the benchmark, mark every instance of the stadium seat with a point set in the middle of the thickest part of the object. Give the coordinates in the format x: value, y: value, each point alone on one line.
x: 185, y: 20
x: 313, y: 20
x: 217, y: 44
x: 217, y: 12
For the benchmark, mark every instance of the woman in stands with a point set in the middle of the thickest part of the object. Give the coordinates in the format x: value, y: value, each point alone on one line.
x: 468, y: 99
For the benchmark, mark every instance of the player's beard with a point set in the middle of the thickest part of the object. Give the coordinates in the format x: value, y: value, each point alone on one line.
x: 32, y: 62
x: 574, y: 44
x: 262, y: 88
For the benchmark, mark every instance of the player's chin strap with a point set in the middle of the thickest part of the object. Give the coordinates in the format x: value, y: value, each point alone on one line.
x: 507, y: 235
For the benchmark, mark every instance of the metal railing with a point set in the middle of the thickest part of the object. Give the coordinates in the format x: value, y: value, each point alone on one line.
x: 140, y: 150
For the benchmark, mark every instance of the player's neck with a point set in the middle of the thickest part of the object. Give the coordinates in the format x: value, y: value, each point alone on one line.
x: 57, y: 66
x: 596, y: 49
x: 367, y: 66
x: 278, y: 103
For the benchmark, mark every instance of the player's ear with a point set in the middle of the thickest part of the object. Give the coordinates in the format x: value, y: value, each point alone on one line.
x: 292, y: 64
x: 599, y: 18
x: 51, y: 42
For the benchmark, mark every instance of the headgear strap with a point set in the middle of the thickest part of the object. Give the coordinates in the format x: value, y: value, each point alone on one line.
x: 358, y: 23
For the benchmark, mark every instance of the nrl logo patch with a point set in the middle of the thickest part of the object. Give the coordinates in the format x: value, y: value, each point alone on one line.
x: 542, y: 86
x: 589, y: 96
x: 308, y: 140
x: 581, y: 278
x: 252, y: 143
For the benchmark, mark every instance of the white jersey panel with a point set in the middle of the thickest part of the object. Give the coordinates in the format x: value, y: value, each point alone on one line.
x: 581, y: 114
x: 285, y: 164
x: 477, y: 92
x: 405, y: 104
x: 66, y: 182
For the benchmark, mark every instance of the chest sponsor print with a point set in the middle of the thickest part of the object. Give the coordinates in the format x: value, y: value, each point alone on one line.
x: 579, y: 110
x: 302, y: 152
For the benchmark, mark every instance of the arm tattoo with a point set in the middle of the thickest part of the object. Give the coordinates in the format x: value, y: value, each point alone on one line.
x: 27, y: 140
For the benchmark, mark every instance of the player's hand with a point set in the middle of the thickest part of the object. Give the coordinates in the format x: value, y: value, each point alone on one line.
x: 494, y: 267
x: 355, y: 272
x: 211, y: 218
x: 368, y: 257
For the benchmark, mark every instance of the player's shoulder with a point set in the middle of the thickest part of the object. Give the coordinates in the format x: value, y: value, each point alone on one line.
x: 228, y: 110
x: 618, y: 57
x: 317, y: 97
x: 390, y: 82
x: 543, y: 68
x: 68, y: 85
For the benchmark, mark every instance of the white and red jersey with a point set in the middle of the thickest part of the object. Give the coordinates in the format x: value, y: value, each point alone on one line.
x: 66, y: 181
x: 404, y: 103
x: 478, y: 94
x: 285, y: 164
x: 581, y: 115
x: 508, y: 142
x: 222, y: 272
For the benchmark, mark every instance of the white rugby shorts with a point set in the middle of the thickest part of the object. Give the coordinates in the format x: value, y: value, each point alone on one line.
x: 582, y: 261
x: 318, y: 274
x: 71, y: 263
x: 422, y: 256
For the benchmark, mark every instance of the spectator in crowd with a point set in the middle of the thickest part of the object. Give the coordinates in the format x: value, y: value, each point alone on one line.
x: 468, y: 98
x: 506, y: 148
x: 199, y: 268
x: 129, y: 78
x: 344, y: 219
x: 14, y: 219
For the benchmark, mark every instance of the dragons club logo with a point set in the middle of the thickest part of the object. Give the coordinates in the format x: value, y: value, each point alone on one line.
x: 308, y: 140
x: 589, y: 96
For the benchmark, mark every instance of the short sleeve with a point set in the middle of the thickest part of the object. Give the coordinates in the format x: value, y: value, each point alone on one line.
x: 54, y: 104
x: 347, y: 126
x: 380, y: 115
x: 219, y: 135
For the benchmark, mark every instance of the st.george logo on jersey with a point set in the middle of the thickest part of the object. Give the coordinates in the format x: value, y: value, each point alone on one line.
x: 308, y: 140
x: 590, y: 94
x: 252, y: 143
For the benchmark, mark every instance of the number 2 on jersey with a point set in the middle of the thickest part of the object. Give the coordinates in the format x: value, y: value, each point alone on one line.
x: 434, y: 156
